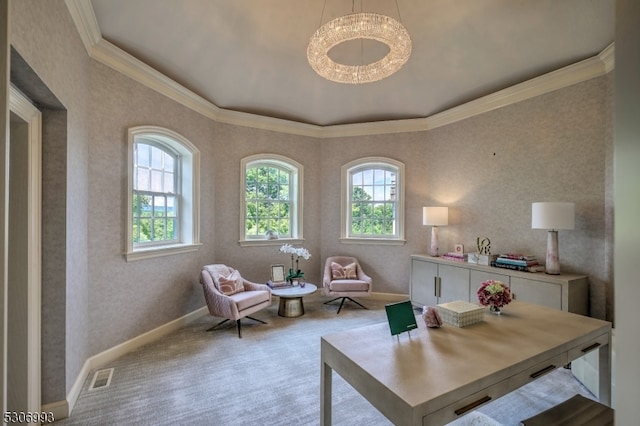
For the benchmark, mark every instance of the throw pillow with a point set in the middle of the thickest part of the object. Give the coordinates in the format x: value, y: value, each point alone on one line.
x: 339, y: 272
x: 232, y: 284
x: 350, y: 271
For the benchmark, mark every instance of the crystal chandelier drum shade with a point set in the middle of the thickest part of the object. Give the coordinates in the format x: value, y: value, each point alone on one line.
x: 356, y: 26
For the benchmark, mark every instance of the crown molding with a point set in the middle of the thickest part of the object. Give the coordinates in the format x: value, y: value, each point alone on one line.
x: 114, y: 57
x: 86, y: 23
x: 106, y: 53
x: 546, y: 83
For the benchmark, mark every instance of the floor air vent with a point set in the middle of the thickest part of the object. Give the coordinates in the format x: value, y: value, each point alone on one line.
x: 101, y: 379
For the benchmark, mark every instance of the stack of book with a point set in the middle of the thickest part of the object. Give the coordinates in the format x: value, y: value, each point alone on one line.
x: 279, y: 284
x: 456, y: 257
x: 518, y: 262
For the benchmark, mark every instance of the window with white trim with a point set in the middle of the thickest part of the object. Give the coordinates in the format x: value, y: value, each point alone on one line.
x: 373, y: 201
x: 271, y: 199
x: 156, y: 204
x: 163, y: 193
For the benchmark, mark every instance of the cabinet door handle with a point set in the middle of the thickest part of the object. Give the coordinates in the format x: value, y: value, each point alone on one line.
x: 473, y: 405
x: 543, y: 371
x: 435, y: 286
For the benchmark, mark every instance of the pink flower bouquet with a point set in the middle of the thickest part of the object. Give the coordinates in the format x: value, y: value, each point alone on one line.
x: 494, y: 293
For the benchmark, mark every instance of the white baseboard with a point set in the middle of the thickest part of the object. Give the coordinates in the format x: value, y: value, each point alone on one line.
x: 59, y: 409
x: 389, y: 296
x: 63, y: 409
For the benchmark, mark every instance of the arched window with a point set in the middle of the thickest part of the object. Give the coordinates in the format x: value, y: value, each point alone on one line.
x: 271, y: 199
x: 373, y: 201
x: 164, y: 193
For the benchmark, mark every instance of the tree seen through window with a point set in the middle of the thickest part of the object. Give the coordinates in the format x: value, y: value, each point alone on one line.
x: 155, y: 208
x: 268, y: 201
x: 373, y: 202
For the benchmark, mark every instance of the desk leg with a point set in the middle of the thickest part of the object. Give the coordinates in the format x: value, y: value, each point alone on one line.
x: 326, y: 374
x: 604, y: 373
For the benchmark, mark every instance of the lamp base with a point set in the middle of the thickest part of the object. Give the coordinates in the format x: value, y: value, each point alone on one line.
x: 552, y: 266
x: 433, y: 248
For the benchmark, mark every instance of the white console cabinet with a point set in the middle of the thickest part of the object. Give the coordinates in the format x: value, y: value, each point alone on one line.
x: 433, y: 283
x: 435, y: 280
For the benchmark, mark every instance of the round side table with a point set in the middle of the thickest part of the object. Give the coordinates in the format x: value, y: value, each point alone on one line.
x: 291, y: 305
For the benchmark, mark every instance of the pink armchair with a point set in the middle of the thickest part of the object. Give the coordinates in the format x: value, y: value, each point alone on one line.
x: 230, y: 296
x: 344, y: 278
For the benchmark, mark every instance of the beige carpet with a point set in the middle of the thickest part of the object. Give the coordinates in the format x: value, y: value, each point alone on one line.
x: 269, y: 377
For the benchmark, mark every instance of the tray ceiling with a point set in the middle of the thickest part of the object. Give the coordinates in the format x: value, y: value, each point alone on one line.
x: 249, y: 56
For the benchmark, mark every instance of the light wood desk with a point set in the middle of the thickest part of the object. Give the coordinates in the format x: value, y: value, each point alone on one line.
x: 434, y: 376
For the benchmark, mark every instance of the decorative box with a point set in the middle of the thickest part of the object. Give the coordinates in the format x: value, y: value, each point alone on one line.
x: 460, y: 313
x: 481, y: 259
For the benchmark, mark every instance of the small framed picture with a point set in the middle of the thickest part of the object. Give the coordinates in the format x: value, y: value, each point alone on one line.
x: 277, y: 273
x: 459, y: 249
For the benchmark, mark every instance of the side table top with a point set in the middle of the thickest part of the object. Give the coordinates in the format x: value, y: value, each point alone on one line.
x: 295, y: 291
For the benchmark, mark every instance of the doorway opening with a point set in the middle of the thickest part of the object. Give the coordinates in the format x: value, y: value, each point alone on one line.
x: 24, y: 255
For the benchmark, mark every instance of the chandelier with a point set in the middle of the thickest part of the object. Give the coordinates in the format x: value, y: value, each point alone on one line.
x: 357, y: 26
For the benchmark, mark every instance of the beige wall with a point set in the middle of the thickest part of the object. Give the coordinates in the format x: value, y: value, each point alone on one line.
x: 553, y: 147
x: 388, y: 265
x: 127, y: 299
x: 44, y: 35
x: 231, y: 144
x: 489, y: 169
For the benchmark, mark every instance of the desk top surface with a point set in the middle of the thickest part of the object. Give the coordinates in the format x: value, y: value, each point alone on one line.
x: 429, y: 363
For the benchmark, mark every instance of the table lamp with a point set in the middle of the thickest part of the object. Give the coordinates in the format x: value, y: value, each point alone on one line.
x: 434, y: 217
x: 552, y: 217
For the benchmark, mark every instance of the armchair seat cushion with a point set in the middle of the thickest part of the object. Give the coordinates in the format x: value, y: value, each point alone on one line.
x: 349, y: 285
x: 247, y: 299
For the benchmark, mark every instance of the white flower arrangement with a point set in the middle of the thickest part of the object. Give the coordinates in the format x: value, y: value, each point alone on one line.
x: 296, y: 253
x: 299, y: 252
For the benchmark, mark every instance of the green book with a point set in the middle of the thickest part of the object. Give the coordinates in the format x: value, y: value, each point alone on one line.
x: 401, y: 317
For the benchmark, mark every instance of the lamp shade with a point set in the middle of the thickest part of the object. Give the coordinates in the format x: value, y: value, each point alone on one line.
x: 435, y: 216
x: 552, y: 215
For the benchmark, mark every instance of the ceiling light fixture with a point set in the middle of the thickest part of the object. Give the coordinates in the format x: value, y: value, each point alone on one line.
x: 357, y: 26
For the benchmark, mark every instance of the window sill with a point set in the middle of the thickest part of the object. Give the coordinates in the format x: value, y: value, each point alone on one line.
x: 265, y: 242
x: 372, y: 241
x: 151, y: 252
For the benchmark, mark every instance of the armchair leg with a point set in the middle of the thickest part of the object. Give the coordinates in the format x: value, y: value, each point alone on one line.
x: 358, y: 303
x: 256, y: 319
x: 217, y: 325
x: 239, y: 325
x: 222, y: 322
x: 342, y: 303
